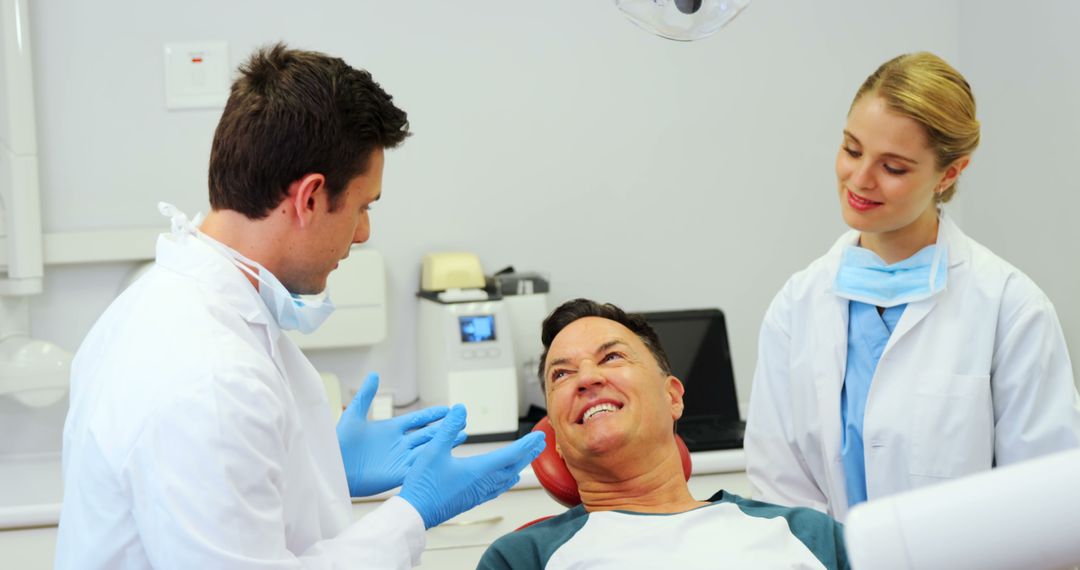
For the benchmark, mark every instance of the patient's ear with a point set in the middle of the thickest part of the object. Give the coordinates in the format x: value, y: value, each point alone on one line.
x: 675, y: 391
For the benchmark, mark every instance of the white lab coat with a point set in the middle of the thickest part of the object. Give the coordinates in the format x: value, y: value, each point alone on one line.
x: 973, y: 377
x: 199, y: 436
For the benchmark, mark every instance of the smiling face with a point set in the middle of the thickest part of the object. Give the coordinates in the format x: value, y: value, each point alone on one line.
x: 606, y: 392
x: 887, y: 172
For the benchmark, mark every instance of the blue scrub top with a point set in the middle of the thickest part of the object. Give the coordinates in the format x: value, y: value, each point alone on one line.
x: 868, y: 333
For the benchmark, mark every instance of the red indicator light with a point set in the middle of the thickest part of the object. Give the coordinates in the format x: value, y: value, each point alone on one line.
x: 196, y: 60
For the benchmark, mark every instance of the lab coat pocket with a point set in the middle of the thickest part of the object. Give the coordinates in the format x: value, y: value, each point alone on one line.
x: 952, y: 426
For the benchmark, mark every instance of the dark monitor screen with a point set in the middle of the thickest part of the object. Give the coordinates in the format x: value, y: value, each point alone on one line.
x: 697, y: 347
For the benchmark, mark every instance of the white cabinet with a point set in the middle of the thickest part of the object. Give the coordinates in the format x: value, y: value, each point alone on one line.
x: 452, y: 558
x: 28, y: 549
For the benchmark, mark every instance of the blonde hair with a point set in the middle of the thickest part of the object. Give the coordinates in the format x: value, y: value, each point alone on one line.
x: 923, y: 87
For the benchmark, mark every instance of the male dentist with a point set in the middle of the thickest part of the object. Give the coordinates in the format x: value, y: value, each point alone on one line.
x: 199, y: 435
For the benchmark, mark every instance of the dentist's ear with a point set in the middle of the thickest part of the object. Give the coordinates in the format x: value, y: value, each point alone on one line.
x: 302, y: 197
x: 952, y: 173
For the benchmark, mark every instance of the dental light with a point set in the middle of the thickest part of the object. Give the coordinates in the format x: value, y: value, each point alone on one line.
x: 681, y: 20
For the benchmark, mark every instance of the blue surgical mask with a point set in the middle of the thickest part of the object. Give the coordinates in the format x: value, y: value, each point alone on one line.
x: 290, y: 312
x: 864, y: 277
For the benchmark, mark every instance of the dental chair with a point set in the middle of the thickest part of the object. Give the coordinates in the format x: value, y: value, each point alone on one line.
x: 556, y: 479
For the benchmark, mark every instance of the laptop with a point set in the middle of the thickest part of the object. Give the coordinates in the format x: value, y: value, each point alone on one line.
x: 696, y: 343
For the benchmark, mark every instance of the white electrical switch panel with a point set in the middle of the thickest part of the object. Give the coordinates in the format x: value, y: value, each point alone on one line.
x: 196, y: 75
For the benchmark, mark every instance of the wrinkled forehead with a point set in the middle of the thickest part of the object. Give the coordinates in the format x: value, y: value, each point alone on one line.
x: 587, y: 335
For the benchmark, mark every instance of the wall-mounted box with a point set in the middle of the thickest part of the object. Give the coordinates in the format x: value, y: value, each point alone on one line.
x: 196, y: 75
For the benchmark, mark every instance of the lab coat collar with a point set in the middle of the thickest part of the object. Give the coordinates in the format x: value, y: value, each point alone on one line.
x: 949, y: 235
x: 189, y: 256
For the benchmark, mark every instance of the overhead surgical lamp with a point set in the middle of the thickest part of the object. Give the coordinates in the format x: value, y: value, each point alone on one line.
x: 681, y: 20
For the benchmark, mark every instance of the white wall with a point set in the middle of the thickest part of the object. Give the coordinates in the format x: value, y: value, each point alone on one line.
x: 553, y: 136
x: 1023, y: 193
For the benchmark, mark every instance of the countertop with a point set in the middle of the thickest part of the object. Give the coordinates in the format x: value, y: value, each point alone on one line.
x: 31, y: 486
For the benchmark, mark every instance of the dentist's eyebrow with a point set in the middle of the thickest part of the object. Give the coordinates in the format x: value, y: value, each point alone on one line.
x: 887, y: 154
x: 600, y: 349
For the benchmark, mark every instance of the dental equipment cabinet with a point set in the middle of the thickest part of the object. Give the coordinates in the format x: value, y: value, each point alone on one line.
x: 478, y: 341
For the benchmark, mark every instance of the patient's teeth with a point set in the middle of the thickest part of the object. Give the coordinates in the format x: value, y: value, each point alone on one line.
x: 599, y: 408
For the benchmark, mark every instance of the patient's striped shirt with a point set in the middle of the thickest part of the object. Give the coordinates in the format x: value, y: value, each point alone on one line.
x: 730, y: 532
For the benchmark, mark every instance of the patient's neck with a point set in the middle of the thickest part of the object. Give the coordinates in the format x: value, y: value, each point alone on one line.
x: 633, y: 481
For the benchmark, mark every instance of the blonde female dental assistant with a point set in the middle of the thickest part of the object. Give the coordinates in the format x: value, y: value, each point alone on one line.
x: 908, y: 354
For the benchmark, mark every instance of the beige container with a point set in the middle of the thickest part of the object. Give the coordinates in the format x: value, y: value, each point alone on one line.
x: 440, y: 271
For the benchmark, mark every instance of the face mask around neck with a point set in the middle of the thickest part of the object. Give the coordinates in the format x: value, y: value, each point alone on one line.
x: 865, y: 277
x: 289, y: 311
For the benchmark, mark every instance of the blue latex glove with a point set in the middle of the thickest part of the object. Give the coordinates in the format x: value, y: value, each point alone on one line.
x: 440, y: 486
x: 377, y: 454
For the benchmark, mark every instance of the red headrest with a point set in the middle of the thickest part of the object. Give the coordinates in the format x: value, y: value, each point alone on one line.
x: 551, y: 470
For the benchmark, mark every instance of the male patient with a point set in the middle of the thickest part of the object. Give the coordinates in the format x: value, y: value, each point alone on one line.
x: 613, y: 404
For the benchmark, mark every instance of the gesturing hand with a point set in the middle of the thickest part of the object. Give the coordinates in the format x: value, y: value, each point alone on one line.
x: 440, y: 486
x: 378, y: 454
